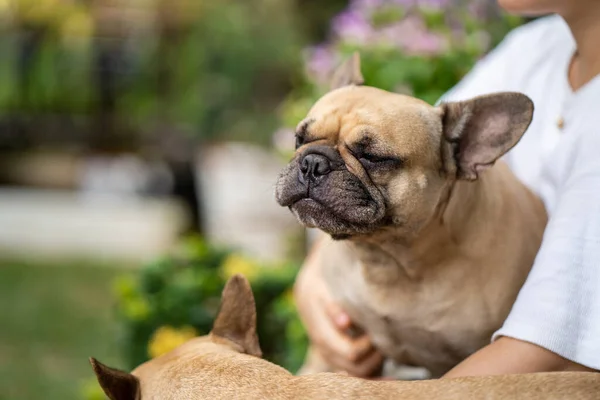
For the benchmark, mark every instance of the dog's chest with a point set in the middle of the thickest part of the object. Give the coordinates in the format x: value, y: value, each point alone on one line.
x: 415, y: 321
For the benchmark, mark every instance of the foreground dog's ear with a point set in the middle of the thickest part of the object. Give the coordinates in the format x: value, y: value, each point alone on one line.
x: 348, y: 73
x: 117, y: 385
x: 236, y: 320
x: 481, y: 130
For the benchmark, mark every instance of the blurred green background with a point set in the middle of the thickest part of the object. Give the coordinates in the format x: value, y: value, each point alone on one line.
x: 139, y: 143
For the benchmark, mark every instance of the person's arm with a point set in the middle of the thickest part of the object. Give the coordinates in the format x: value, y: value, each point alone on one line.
x: 555, y: 322
x: 512, y: 356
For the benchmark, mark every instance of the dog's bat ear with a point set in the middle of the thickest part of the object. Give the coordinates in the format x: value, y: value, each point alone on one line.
x: 117, y: 385
x: 348, y: 73
x: 479, y: 131
x: 236, y: 319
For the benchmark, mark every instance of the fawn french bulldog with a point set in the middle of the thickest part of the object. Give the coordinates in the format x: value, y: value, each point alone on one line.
x: 226, y: 364
x: 429, y: 238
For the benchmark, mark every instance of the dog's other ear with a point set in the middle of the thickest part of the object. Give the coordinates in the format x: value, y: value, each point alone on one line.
x: 236, y: 319
x: 117, y: 385
x: 479, y: 131
x: 348, y: 73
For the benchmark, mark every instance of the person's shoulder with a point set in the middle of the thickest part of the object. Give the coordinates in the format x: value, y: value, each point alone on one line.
x: 540, y: 34
x: 533, y: 48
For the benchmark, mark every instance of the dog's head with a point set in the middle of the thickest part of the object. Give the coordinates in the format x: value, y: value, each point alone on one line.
x: 367, y: 159
x: 199, y: 365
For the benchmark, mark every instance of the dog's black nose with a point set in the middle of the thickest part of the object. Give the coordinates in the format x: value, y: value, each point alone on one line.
x: 314, y: 166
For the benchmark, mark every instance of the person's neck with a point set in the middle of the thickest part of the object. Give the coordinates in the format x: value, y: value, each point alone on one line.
x: 585, y: 27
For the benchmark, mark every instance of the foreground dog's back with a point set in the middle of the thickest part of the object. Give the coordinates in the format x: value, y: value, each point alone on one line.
x: 541, y: 386
x: 226, y: 364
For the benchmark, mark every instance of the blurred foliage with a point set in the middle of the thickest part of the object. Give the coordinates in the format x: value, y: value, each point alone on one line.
x: 419, y: 48
x: 216, y: 69
x: 177, y: 297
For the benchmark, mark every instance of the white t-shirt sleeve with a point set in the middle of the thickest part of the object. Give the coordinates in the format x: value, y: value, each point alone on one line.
x: 510, y: 63
x: 558, y: 308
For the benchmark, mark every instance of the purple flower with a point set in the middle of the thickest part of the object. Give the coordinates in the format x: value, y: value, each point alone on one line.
x: 437, y: 4
x: 426, y: 43
x: 411, y: 35
x: 320, y: 62
x: 351, y: 26
x: 403, y: 3
x: 365, y: 7
x: 370, y: 6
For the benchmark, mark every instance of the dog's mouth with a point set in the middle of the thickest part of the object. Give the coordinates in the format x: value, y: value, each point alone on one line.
x: 307, y: 209
x: 340, y: 211
x: 314, y: 214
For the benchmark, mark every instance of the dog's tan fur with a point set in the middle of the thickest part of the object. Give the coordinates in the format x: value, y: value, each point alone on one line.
x: 225, y: 365
x: 433, y: 262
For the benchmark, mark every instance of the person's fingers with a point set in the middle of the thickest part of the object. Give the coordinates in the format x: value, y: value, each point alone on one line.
x: 369, y: 365
x: 339, y: 317
x: 340, y: 343
x: 353, y: 349
x: 365, y: 368
x: 346, y: 353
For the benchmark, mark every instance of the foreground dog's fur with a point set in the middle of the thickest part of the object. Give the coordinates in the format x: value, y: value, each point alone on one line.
x: 226, y: 364
x: 431, y: 250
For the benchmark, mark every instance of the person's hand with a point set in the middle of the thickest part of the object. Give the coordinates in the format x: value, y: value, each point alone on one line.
x: 328, y: 326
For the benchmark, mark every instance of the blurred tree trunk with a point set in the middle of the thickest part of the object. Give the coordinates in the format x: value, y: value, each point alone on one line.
x: 315, y: 16
x: 108, y: 66
x: 179, y: 151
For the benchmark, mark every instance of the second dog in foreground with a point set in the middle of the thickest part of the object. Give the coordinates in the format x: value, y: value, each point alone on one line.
x: 226, y: 364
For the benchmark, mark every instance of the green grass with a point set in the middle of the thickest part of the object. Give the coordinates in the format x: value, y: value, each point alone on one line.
x: 52, y: 318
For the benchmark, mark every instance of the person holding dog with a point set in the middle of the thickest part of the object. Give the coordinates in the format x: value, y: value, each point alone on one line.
x: 554, y: 324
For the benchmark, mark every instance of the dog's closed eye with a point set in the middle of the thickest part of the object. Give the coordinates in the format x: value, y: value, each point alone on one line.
x: 371, y: 161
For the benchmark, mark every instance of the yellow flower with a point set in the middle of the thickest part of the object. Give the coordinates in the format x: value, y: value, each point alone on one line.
x: 236, y: 264
x: 167, y: 338
x: 76, y: 26
x: 5, y: 7
x: 39, y: 11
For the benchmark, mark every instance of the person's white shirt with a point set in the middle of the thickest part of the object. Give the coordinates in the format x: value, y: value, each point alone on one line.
x: 558, y: 308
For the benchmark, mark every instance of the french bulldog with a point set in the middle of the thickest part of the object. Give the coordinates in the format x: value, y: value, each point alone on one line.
x: 430, y: 235
x: 226, y: 364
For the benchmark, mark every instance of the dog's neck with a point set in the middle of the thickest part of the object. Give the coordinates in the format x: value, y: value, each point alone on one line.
x: 393, y: 253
